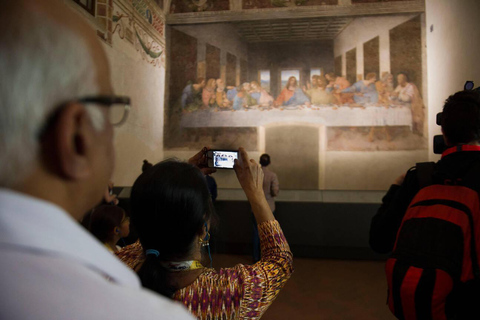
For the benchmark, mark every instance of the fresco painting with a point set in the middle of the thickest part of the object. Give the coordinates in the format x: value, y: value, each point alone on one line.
x: 260, y: 4
x: 375, y: 1
x: 365, y: 90
x: 184, y: 6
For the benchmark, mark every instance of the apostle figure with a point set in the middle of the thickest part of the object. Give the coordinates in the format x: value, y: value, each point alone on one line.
x: 221, y: 96
x: 407, y: 92
x: 192, y: 96
x: 292, y: 95
x: 208, y: 94
x: 317, y: 92
x: 263, y: 98
x: 364, y: 90
x: 336, y: 85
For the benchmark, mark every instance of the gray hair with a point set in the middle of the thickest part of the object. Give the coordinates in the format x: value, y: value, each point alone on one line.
x: 42, y: 65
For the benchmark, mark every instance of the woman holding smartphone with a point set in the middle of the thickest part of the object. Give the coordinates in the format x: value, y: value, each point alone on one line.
x: 172, y: 211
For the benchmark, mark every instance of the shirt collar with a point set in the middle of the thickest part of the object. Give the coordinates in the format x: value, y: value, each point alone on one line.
x: 35, y: 225
x: 459, y: 148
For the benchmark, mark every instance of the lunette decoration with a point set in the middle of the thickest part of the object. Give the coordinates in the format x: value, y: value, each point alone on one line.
x: 150, y: 51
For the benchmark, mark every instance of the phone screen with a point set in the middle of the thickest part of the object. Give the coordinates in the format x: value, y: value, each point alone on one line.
x: 224, y: 159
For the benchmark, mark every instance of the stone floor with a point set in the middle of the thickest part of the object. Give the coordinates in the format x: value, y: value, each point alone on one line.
x: 327, y: 289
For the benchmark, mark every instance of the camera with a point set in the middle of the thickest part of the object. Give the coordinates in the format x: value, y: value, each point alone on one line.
x: 439, y: 145
x: 221, y: 159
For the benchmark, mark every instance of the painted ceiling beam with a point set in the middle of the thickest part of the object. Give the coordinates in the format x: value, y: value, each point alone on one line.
x: 344, y: 10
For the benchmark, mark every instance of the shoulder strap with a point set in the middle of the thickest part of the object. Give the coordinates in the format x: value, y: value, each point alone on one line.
x: 472, y: 178
x: 425, y: 173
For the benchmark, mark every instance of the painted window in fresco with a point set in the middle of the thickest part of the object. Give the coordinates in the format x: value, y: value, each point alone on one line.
x: 315, y: 72
x: 88, y: 5
x: 261, y: 4
x: 264, y: 76
x: 287, y: 74
x: 183, y: 6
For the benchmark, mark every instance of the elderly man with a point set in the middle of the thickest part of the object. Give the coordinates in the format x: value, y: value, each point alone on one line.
x: 407, y: 92
x: 57, y: 157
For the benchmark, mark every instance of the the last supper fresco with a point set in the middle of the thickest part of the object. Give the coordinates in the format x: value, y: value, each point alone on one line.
x: 360, y: 79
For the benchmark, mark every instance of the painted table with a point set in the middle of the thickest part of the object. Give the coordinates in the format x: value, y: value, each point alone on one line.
x: 329, y: 116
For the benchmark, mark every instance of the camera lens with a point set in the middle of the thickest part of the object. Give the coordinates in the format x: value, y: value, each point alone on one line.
x: 468, y: 85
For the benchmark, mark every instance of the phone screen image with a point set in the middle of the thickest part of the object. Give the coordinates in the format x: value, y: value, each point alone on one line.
x: 224, y: 159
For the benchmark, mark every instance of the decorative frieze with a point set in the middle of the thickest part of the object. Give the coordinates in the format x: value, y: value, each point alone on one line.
x: 139, y: 23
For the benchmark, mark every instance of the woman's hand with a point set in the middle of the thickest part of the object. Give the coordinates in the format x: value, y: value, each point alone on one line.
x: 200, y: 160
x: 250, y: 176
x: 110, y: 198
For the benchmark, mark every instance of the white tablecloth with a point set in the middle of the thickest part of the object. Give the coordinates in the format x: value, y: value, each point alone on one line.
x: 330, y: 116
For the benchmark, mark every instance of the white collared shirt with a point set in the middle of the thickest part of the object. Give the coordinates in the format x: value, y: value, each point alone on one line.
x: 51, y: 268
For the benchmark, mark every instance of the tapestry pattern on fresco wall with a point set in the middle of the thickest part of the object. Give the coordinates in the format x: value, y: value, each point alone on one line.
x: 153, y: 18
x: 184, y: 6
x: 128, y: 29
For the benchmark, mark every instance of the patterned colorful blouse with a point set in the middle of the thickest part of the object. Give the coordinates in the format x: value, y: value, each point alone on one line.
x: 241, y: 292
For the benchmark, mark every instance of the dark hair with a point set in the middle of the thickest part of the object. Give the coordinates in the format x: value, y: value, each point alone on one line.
x: 370, y: 75
x: 146, y: 165
x: 170, y: 205
x: 102, y: 220
x: 264, y: 160
x: 461, y: 117
x: 332, y: 75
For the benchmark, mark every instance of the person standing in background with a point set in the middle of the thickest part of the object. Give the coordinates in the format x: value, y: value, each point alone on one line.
x: 271, y: 189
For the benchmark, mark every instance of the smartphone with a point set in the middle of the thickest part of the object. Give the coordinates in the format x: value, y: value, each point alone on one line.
x: 221, y: 159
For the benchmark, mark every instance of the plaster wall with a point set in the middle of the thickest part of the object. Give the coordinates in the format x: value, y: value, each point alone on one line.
x: 133, y: 75
x: 141, y: 137
x: 453, y: 33
x: 354, y: 170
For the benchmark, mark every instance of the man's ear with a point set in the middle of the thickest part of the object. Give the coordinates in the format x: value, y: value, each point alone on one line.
x: 73, y: 136
x: 445, y: 138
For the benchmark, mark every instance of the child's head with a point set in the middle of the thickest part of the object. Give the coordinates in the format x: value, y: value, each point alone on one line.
x: 107, y: 222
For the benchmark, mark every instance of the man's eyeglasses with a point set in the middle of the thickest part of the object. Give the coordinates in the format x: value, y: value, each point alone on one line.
x: 119, y: 107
